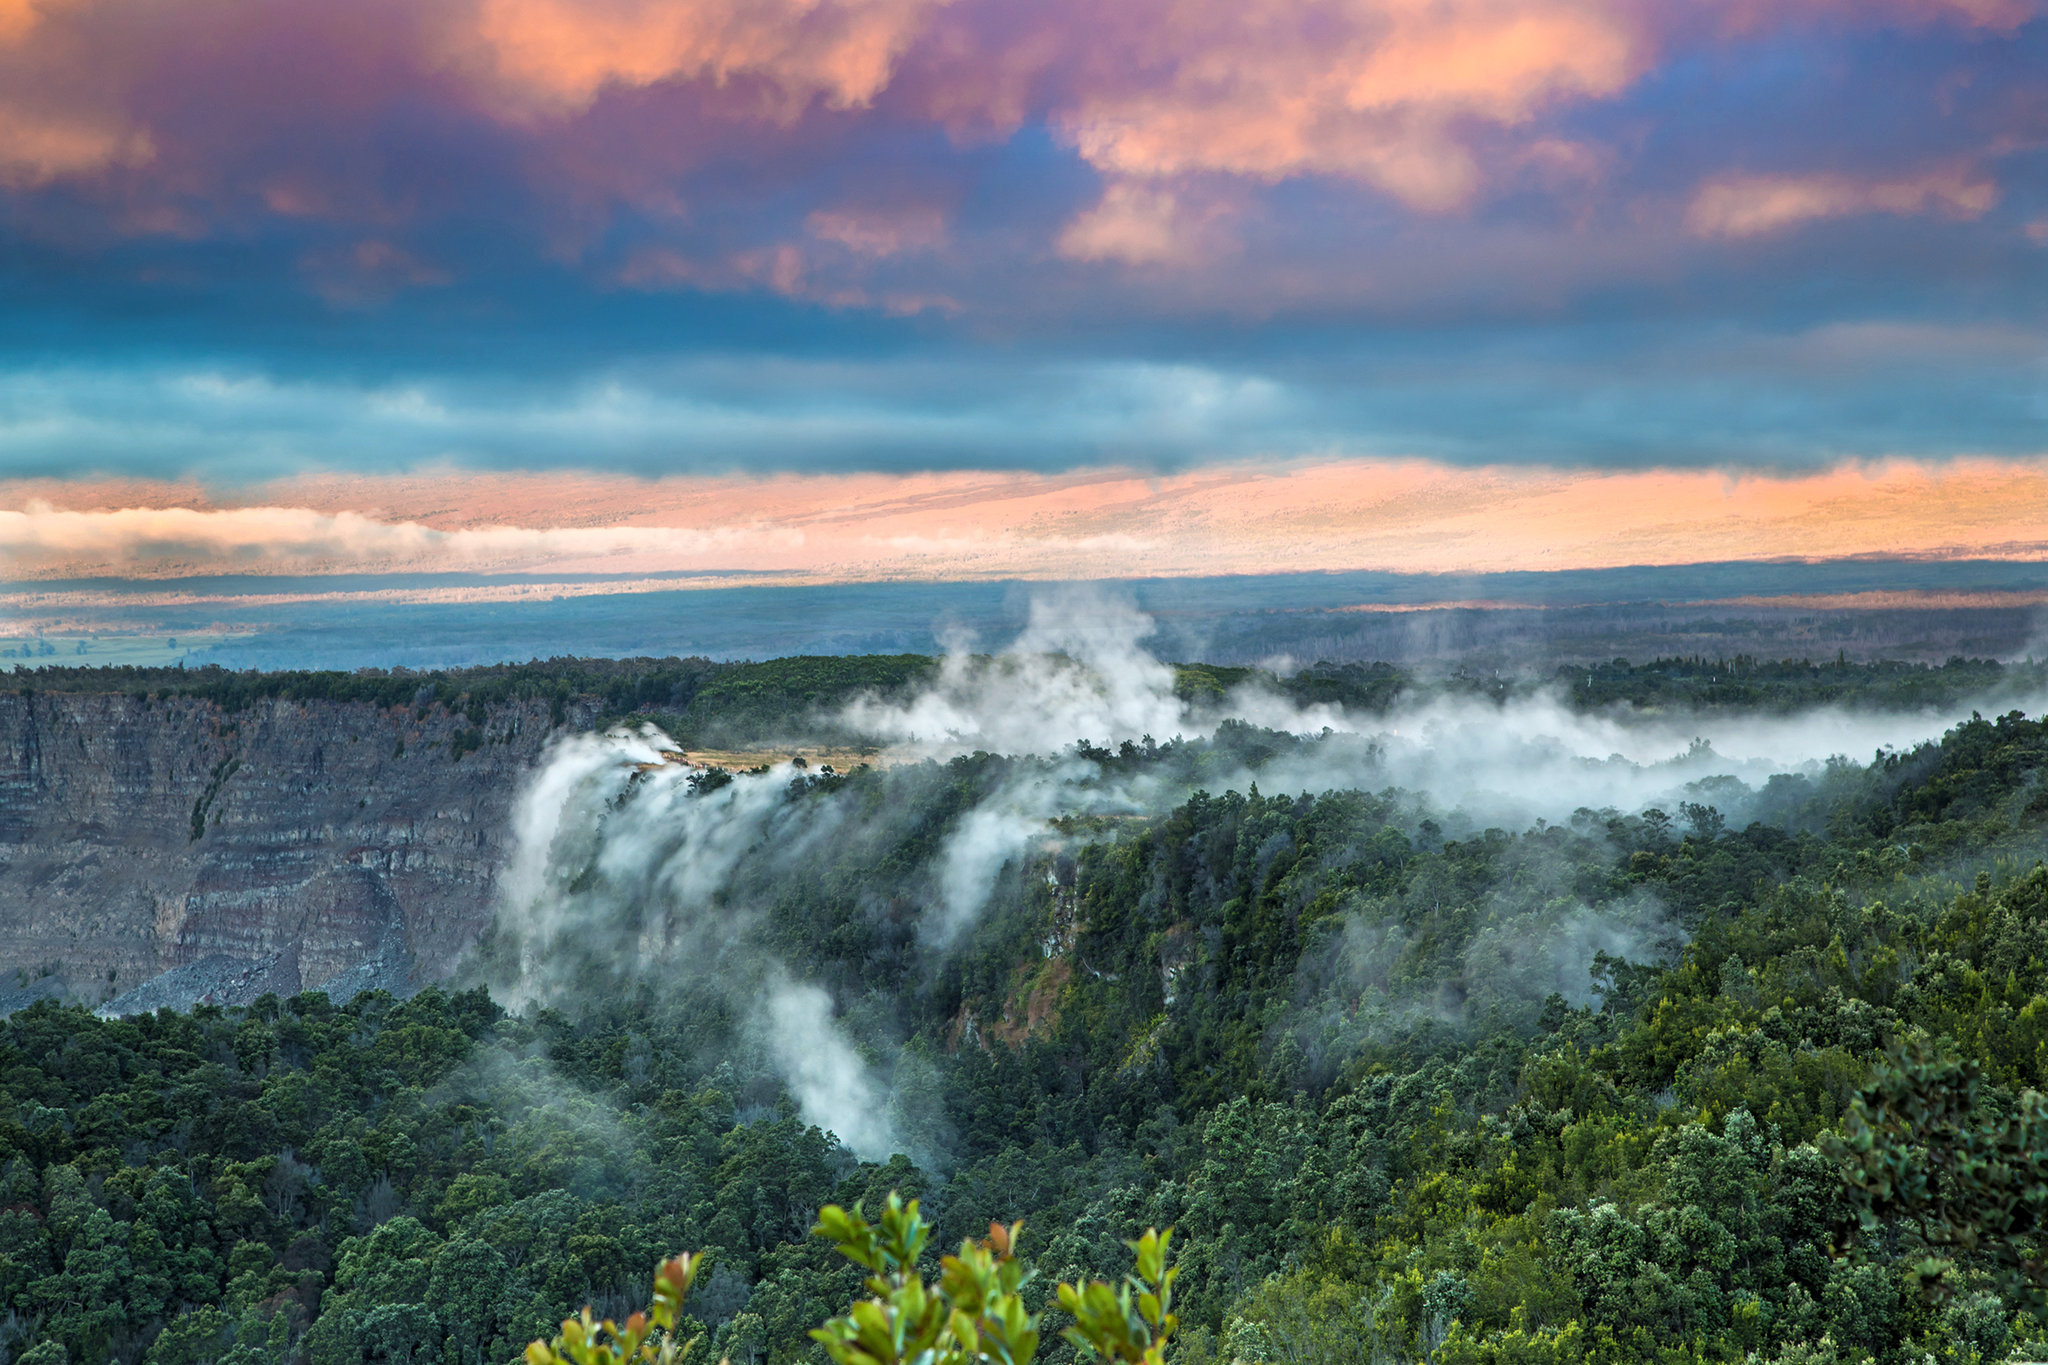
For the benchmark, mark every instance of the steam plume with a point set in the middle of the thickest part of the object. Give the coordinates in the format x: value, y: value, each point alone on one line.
x: 632, y: 868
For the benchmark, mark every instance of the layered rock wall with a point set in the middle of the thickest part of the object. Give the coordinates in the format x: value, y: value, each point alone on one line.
x: 287, y: 844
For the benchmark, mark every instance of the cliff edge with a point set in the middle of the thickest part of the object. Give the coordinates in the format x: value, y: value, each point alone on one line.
x: 167, y: 851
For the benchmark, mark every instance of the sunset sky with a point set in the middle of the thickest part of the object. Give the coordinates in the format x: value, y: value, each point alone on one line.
x: 858, y: 289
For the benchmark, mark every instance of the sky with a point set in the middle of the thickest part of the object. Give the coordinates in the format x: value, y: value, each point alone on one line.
x: 868, y: 289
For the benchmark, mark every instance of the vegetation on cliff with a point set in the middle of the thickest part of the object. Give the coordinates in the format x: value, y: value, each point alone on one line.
x: 701, y: 701
x: 1333, y: 1048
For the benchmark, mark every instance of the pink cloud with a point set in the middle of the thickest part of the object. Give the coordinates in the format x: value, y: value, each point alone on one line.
x: 556, y: 56
x: 1755, y: 205
x: 187, y: 119
x: 780, y: 269
x: 39, y: 146
x: 885, y: 231
x: 1403, y: 515
x: 2004, y: 15
x: 1379, y: 91
x: 1139, y: 223
x: 370, y: 272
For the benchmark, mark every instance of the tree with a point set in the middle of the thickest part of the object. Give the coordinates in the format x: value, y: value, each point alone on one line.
x: 1928, y: 1150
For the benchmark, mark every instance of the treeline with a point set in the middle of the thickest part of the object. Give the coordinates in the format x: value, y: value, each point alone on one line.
x: 1360, y: 1066
x: 703, y: 702
x: 1788, y: 684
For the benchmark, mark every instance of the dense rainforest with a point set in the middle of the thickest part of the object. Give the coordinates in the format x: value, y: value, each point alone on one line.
x: 1406, y: 1089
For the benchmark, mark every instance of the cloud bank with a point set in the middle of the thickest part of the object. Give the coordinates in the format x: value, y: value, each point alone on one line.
x: 1407, y: 516
x: 1433, y: 104
x: 826, y: 234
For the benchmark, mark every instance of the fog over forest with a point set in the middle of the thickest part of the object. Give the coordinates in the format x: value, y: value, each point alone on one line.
x: 1447, y: 1015
x: 1023, y: 682
x: 635, y: 865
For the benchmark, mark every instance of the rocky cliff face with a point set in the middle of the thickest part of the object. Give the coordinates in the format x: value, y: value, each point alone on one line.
x: 288, y: 846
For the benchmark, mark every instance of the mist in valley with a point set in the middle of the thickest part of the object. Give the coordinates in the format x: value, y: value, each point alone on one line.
x: 641, y: 874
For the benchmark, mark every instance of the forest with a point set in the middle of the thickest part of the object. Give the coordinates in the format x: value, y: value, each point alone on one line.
x: 701, y: 701
x: 1748, y: 1075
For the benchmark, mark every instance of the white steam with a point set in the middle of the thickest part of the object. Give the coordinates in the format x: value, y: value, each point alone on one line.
x: 616, y: 853
x: 1078, y: 671
x: 826, y: 1076
x: 620, y: 855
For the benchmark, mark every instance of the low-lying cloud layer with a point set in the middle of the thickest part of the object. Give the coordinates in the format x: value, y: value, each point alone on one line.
x: 1080, y: 672
x: 1402, y: 516
x: 634, y: 870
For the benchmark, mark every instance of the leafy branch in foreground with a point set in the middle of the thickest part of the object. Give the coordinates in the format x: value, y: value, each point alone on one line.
x: 974, y: 1314
x: 1925, y: 1148
x: 976, y: 1311
x: 649, y: 1337
x: 1132, y: 1322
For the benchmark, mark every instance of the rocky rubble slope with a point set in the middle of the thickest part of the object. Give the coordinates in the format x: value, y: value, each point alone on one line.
x: 165, y: 851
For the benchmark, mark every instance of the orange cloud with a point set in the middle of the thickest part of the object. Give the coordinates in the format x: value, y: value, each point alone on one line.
x: 122, y: 539
x: 17, y: 17
x: 1385, y: 92
x: 1405, y: 516
x: 59, y: 116
x: 1751, y: 206
x: 1145, y: 224
x: 1432, y: 102
x: 557, y: 55
x: 38, y: 146
x: 1379, y: 91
